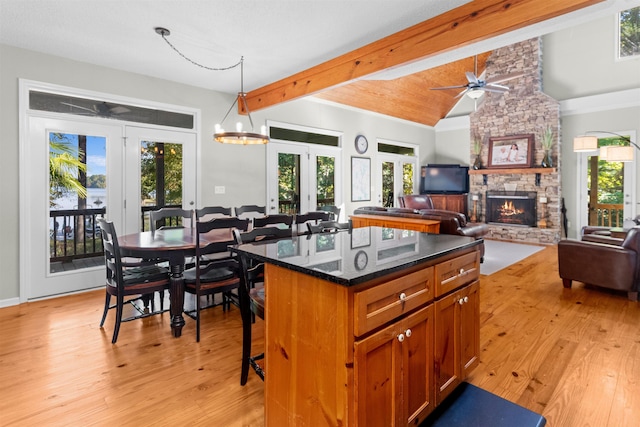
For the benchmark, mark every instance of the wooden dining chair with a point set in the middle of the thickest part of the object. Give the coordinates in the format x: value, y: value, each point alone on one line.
x: 210, y: 212
x: 327, y: 226
x: 277, y: 220
x: 333, y: 210
x: 132, y: 281
x: 301, y: 220
x: 210, y: 275
x: 252, y: 296
x: 250, y: 211
x: 176, y: 217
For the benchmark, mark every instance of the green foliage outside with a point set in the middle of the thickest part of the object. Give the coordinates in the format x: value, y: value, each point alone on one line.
x: 157, y: 155
x: 64, y: 166
x: 97, y: 181
x: 630, y: 32
x: 610, y: 176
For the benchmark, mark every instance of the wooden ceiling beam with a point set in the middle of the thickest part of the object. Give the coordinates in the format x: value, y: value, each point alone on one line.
x: 473, y: 22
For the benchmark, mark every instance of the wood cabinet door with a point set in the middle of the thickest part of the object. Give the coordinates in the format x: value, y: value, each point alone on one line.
x: 417, y: 366
x: 447, y: 345
x: 470, y: 328
x: 378, y: 378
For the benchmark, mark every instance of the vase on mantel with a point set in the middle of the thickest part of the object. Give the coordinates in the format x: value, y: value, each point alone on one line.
x: 547, y: 161
x: 477, y: 164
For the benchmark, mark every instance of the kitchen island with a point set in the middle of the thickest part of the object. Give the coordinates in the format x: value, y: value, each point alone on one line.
x: 372, y: 326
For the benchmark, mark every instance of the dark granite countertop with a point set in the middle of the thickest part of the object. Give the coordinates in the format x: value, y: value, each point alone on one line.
x: 356, y: 256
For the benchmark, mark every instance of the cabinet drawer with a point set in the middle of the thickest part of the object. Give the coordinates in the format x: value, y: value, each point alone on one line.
x: 380, y: 304
x: 457, y: 272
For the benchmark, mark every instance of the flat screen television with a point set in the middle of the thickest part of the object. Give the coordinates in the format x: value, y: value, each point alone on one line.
x: 444, y: 179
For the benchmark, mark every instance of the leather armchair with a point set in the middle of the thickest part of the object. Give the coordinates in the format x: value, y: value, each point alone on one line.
x: 606, y: 265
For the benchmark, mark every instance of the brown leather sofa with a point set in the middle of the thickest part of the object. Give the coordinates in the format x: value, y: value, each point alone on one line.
x: 450, y: 222
x: 606, y: 265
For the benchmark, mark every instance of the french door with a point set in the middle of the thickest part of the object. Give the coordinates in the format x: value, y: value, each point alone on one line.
x: 302, y: 177
x: 606, y: 192
x: 61, y: 250
x: 396, y: 175
x: 61, y: 222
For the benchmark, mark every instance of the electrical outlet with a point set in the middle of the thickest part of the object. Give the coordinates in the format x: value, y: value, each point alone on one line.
x: 568, y: 224
x: 219, y: 189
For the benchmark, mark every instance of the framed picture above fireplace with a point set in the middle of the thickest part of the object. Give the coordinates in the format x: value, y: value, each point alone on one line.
x: 514, y: 151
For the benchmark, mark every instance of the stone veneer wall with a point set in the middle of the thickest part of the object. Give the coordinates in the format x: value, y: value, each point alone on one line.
x: 525, y: 109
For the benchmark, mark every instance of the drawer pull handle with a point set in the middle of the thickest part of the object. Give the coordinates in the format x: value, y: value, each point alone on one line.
x: 403, y: 297
x: 401, y: 337
x: 407, y: 333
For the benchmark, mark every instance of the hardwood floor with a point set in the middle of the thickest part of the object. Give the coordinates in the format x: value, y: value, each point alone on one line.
x: 571, y: 354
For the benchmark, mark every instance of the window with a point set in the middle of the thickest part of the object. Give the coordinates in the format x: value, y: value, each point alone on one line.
x: 629, y: 33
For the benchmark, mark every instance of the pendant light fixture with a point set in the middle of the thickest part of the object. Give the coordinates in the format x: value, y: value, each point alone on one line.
x: 239, y: 136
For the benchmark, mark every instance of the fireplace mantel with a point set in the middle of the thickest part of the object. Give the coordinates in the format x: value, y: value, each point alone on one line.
x: 511, y: 171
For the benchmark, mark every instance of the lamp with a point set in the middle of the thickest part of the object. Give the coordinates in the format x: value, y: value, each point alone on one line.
x: 585, y: 143
x: 610, y: 153
x: 239, y: 136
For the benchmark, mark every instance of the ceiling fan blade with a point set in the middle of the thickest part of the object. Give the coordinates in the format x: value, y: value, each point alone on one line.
x: 78, y: 106
x: 493, y: 89
x: 496, y: 86
x: 461, y: 93
x: 447, y: 87
x: 504, y: 78
x: 119, y: 109
x: 471, y: 77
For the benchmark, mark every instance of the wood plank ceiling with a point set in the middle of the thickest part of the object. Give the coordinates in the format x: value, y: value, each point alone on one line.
x: 341, y: 79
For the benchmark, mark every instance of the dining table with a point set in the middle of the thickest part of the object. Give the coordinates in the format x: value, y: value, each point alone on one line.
x: 173, y: 245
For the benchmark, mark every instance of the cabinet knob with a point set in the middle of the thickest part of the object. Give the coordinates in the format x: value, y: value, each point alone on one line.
x: 401, y: 337
x: 407, y: 333
x: 402, y: 296
x: 466, y: 299
x: 461, y: 301
x: 462, y: 271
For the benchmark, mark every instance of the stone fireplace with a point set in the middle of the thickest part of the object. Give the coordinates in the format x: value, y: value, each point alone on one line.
x: 514, y: 208
x: 525, y: 109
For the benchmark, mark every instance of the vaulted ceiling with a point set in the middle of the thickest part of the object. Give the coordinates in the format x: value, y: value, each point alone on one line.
x: 394, y: 54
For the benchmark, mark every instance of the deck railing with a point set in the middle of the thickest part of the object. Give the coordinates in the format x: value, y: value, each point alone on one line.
x: 74, y: 234
x: 607, y: 215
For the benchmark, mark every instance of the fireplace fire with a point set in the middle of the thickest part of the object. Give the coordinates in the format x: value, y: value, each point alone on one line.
x: 511, y: 208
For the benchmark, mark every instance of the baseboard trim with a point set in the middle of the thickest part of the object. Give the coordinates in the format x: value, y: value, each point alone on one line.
x: 9, y: 302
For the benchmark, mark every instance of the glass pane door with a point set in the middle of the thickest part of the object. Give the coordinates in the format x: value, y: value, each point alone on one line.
x: 74, y: 176
x: 302, y: 177
x: 77, y: 196
x: 160, y: 172
x: 160, y: 178
x: 288, y: 183
x: 396, y: 176
x: 325, y: 181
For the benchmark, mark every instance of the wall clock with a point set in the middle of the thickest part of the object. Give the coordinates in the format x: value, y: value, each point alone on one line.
x: 361, y: 260
x: 361, y: 144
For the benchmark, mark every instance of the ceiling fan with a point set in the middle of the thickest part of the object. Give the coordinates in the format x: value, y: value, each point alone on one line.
x: 476, y: 87
x: 100, y: 109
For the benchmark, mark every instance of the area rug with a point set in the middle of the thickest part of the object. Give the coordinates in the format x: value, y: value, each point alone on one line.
x: 499, y: 255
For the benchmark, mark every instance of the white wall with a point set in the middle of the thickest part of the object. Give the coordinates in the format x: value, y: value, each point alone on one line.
x: 241, y: 169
